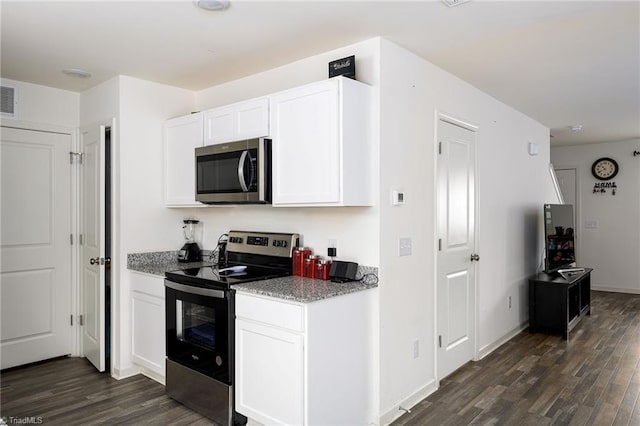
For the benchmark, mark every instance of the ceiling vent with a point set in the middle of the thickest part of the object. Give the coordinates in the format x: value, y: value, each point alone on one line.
x: 8, y: 102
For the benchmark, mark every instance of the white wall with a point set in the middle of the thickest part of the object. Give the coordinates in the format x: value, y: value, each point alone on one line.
x: 45, y: 105
x: 512, y: 189
x: 613, y: 248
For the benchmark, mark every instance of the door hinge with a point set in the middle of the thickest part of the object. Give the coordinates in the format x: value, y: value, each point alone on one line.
x: 77, y: 155
x: 71, y: 319
x: 71, y: 238
x: 439, y: 147
x: 439, y: 244
x: 80, y: 239
x: 440, y: 341
x: 81, y: 322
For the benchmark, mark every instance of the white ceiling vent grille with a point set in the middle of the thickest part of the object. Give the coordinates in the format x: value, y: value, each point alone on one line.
x: 8, y: 102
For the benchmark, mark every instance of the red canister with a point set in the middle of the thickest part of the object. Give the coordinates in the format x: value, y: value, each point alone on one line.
x: 298, y: 260
x: 310, y: 266
x: 324, y: 268
x: 321, y: 270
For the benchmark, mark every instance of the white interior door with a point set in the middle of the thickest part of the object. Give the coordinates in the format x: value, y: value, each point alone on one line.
x: 456, y: 246
x: 35, y: 246
x: 92, y: 251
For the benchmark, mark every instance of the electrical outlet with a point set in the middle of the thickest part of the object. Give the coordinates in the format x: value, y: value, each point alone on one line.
x: 332, y: 247
x: 416, y: 348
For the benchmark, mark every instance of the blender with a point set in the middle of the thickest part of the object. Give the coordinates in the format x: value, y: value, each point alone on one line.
x: 190, y: 251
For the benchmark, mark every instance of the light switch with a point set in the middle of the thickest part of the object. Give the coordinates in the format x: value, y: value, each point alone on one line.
x: 404, y: 247
x: 591, y: 224
x: 397, y: 198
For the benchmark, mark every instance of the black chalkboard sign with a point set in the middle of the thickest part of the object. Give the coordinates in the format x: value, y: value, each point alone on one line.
x: 345, y: 66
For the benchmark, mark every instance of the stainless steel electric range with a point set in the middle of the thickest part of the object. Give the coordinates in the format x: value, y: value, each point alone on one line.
x: 200, y: 320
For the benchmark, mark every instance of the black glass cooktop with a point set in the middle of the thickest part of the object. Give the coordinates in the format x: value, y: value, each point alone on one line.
x: 210, y: 276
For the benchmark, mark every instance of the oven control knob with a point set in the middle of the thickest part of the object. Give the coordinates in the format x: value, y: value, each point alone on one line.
x: 219, y: 360
x: 283, y: 243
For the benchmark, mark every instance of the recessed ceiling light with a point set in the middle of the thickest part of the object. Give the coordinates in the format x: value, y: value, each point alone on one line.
x: 212, y: 4
x: 452, y: 3
x: 74, y: 72
x: 576, y: 127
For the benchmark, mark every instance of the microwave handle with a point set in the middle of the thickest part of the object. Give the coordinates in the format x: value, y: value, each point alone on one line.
x: 243, y: 184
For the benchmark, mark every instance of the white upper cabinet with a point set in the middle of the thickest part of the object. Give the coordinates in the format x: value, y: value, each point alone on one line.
x: 181, y: 136
x: 243, y: 120
x: 322, y: 144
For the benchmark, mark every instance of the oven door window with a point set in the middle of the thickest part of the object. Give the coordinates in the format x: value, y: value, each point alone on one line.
x: 196, y: 324
x: 229, y: 172
x: 199, y: 332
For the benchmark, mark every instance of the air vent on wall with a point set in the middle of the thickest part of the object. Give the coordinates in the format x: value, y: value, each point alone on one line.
x: 8, y: 101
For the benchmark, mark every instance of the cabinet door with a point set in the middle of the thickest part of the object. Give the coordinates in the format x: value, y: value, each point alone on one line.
x: 244, y: 120
x: 269, y: 374
x: 306, y: 145
x: 219, y: 125
x: 148, y: 322
x: 252, y: 119
x: 182, y: 136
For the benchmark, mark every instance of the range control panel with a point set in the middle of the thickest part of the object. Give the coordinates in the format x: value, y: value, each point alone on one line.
x: 264, y: 243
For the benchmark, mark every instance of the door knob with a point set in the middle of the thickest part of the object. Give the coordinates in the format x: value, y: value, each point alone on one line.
x: 475, y: 257
x: 94, y: 261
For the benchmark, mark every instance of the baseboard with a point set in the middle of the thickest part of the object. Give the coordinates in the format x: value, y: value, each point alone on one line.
x: 486, y: 350
x: 153, y: 376
x: 616, y: 290
x: 125, y: 373
x: 408, y: 403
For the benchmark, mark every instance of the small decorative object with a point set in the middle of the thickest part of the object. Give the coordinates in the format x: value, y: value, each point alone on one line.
x: 601, y: 187
x: 345, y: 66
x: 604, y: 168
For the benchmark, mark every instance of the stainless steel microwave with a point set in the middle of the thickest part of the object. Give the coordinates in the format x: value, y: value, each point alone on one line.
x: 234, y: 173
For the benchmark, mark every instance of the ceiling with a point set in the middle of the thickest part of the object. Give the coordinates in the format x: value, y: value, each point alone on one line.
x: 563, y: 63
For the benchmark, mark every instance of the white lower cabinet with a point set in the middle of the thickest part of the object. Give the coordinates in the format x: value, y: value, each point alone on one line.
x: 305, y: 363
x: 147, y: 323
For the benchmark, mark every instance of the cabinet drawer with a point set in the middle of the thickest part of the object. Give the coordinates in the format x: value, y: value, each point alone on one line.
x: 147, y: 284
x: 269, y: 311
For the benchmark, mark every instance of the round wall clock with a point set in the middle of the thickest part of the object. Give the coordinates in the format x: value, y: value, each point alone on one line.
x: 604, y: 168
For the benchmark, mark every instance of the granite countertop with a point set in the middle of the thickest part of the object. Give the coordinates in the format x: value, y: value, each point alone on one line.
x: 157, y: 263
x: 298, y: 289
x: 307, y: 290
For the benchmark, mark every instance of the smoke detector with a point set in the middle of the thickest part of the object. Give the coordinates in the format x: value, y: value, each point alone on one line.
x: 452, y: 3
x: 215, y: 5
x: 75, y: 72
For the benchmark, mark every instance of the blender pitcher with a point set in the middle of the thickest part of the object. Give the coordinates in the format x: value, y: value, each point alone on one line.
x: 190, y: 251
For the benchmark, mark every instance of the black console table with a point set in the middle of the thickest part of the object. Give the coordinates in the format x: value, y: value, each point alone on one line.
x: 557, y: 304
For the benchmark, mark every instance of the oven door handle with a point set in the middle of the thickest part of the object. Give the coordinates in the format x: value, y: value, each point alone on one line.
x: 189, y: 289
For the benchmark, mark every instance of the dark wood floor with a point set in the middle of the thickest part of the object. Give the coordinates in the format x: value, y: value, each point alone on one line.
x: 594, y: 379
x: 537, y: 379
x: 69, y: 391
